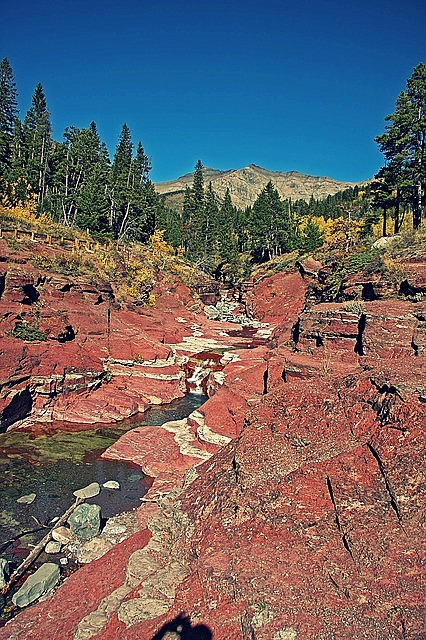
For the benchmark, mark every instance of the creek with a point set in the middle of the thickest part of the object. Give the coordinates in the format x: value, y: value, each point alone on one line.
x: 52, y: 463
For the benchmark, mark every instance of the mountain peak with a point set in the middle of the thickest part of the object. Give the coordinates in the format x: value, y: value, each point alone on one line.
x: 245, y: 184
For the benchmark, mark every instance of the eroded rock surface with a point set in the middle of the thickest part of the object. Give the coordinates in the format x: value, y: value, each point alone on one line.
x: 291, y: 505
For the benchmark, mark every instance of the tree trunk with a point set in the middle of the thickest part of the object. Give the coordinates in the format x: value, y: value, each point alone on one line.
x: 397, y: 205
x: 417, y: 208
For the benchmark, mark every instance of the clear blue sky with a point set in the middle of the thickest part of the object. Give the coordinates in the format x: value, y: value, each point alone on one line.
x: 301, y: 85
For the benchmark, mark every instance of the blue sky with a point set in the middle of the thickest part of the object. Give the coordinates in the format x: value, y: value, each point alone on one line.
x: 301, y: 85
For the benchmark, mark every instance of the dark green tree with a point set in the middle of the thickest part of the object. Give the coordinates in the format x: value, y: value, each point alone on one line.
x: 205, y: 230
x: 8, y: 115
x: 271, y: 227
x: 80, y: 168
x: 312, y: 237
x: 134, y: 202
x: 38, y: 144
x: 403, y: 144
x: 170, y: 221
x: 193, y: 217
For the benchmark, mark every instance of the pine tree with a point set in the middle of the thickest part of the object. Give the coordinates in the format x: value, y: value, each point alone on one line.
x: 134, y: 201
x: 270, y: 225
x: 193, y: 217
x: 225, y: 236
x: 120, y: 183
x: 312, y: 237
x: 38, y: 144
x: 206, y: 226
x: 404, y: 144
x: 80, y: 167
x: 169, y: 221
x: 8, y: 115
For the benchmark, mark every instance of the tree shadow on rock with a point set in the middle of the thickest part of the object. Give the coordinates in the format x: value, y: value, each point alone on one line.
x: 180, y: 628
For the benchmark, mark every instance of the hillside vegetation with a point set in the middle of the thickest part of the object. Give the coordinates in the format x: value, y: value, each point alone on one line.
x: 74, y: 183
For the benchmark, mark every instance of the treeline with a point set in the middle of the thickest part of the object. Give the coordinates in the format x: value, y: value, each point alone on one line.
x: 77, y: 184
x: 220, y: 237
x: 74, y: 180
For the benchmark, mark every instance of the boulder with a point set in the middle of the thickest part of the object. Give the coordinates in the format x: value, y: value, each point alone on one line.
x: 85, y: 521
x: 39, y: 583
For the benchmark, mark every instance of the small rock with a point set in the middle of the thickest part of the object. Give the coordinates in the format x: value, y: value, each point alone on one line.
x: 37, y: 584
x: 63, y: 561
x: 90, y: 491
x: 135, y: 477
x: 4, y: 571
x: 114, y: 529
x: 62, y: 535
x: 53, y: 547
x: 28, y: 499
x: 85, y: 521
x: 111, y: 484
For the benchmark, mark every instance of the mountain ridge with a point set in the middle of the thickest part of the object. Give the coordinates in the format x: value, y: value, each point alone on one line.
x: 245, y: 184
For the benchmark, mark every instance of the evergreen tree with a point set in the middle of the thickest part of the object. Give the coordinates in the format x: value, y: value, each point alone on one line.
x: 169, y: 220
x: 403, y: 143
x: 198, y: 184
x: 271, y: 228
x: 312, y: 237
x: 80, y: 167
x: 120, y: 183
x: 8, y: 115
x: 134, y: 202
x: 205, y: 230
x: 194, y: 216
x: 38, y: 144
x: 225, y: 232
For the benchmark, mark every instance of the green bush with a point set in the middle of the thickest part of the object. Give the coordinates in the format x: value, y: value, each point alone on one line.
x: 25, y: 332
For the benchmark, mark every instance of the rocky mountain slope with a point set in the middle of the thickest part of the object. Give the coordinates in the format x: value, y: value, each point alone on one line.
x: 290, y: 506
x: 246, y: 184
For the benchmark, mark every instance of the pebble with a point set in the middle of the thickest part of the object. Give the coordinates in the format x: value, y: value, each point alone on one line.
x: 62, y: 535
x: 28, y: 499
x: 111, y: 484
x: 53, y: 547
x: 90, y: 491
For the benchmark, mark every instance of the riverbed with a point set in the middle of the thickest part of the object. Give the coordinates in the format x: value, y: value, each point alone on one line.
x: 53, y: 463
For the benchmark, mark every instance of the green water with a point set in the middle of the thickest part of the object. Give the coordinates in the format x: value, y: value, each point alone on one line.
x: 54, y: 465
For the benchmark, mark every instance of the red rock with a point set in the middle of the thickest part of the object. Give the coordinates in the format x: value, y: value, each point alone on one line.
x: 152, y: 448
x: 309, y: 521
x: 279, y: 300
x: 80, y: 593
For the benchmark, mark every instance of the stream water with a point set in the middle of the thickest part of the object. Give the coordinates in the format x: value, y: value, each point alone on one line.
x: 53, y: 463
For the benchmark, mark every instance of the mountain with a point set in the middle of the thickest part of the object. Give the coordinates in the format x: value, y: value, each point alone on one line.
x: 246, y: 184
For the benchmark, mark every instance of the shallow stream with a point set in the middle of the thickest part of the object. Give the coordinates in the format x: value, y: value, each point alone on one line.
x: 52, y: 464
